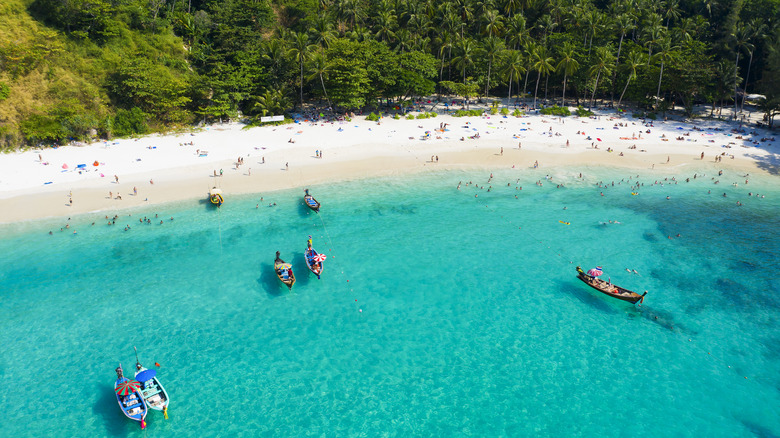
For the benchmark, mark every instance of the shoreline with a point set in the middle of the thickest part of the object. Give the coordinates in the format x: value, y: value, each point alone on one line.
x: 351, y: 150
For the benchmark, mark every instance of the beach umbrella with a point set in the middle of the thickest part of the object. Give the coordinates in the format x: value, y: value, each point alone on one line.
x: 127, y: 387
x: 595, y: 272
x: 145, y: 375
x: 319, y: 258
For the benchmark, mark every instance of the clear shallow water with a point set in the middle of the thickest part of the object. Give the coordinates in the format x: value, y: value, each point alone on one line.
x: 461, y: 316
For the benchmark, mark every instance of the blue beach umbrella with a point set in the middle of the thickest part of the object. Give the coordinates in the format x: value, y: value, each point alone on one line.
x: 145, y: 375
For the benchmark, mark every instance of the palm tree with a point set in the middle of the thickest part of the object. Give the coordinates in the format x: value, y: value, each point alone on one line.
x: 404, y: 41
x: 445, y: 41
x: 633, y: 62
x: 603, y: 64
x: 757, y: 31
x: 724, y: 78
x: 300, y: 52
x: 665, y: 54
x: 385, y: 23
x: 653, y: 34
x: 271, y: 102
x: 511, y: 7
x: 593, y: 20
x: 464, y: 9
x: 350, y: 11
x: 671, y: 11
x: 517, y: 32
x: 514, y: 68
x: 319, y: 67
x: 273, y: 50
x: 546, y: 25
x: 491, y: 47
x: 493, y: 23
x: 569, y: 65
x: 542, y: 63
x: 623, y: 24
x: 321, y: 31
x: 465, y: 59
x: 741, y: 36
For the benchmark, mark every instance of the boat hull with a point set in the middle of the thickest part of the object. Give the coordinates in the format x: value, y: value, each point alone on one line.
x: 315, y: 268
x: 290, y: 281
x: 156, y: 389
x: 311, y: 203
x: 132, y: 405
x: 610, y: 290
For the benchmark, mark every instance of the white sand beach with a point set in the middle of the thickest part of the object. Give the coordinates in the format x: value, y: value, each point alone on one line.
x: 162, y: 168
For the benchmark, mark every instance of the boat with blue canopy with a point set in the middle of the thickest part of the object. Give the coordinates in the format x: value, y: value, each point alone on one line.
x: 128, y: 395
x: 152, y: 390
x: 310, y: 201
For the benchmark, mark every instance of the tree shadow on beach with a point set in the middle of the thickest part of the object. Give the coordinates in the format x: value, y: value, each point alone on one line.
x: 107, y: 409
x: 769, y: 163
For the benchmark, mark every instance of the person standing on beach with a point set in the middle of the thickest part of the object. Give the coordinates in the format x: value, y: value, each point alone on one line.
x: 702, y: 156
x: 263, y: 161
x: 502, y: 151
x: 135, y: 191
x: 220, y: 172
x: 286, y: 166
x: 116, y: 178
x: 667, y: 159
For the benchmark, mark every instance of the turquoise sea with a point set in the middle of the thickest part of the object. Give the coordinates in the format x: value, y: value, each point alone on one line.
x: 439, y: 314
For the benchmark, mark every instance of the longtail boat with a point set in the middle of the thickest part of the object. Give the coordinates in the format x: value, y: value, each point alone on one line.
x: 607, y: 288
x: 128, y: 395
x: 314, y: 259
x: 215, y: 196
x: 152, y: 390
x: 284, y: 272
x: 310, y: 201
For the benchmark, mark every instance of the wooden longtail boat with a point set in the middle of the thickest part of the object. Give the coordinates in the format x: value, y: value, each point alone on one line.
x: 610, y: 289
x: 284, y: 272
x: 215, y: 196
x: 310, y: 201
x: 314, y: 259
x: 129, y: 397
x: 152, y: 390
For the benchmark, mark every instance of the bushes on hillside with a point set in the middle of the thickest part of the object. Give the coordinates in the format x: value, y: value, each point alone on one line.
x: 130, y: 122
x: 5, y: 91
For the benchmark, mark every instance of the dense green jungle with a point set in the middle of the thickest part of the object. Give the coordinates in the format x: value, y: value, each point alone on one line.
x: 81, y: 70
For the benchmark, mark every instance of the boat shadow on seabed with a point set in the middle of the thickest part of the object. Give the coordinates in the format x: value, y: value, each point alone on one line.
x: 106, y: 409
x: 659, y: 317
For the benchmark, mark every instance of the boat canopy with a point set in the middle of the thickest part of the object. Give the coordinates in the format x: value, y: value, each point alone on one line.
x: 145, y: 375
